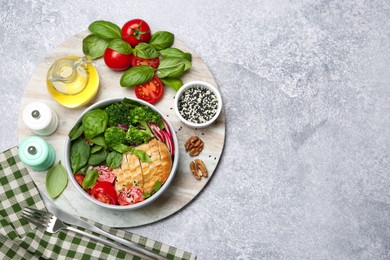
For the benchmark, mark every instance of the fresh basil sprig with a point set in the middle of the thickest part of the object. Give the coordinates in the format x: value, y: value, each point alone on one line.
x: 175, y: 53
x: 162, y: 40
x: 136, y: 76
x: 94, y: 46
x: 146, y: 51
x: 105, y: 30
x: 174, y: 83
x: 90, y: 179
x: 173, y: 67
x: 120, y: 46
x: 142, y: 155
x: 56, y: 180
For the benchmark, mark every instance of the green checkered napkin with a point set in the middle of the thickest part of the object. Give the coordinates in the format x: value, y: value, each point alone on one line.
x: 21, y: 240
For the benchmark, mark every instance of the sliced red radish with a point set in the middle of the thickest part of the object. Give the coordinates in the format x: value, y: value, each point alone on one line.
x: 157, y: 132
x: 169, y: 142
x: 167, y: 128
x: 124, y: 127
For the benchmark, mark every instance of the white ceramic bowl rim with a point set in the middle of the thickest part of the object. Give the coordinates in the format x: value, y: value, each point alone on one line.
x: 194, y: 84
x: 104, y: 103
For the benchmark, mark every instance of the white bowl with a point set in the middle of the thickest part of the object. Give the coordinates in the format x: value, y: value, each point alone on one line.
x: 104, y: 103
x: 194, y: 84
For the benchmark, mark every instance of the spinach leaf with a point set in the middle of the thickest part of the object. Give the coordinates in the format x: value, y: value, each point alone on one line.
x: 94, y: 46
x: 98, y: 157
x: 174, y: 83
x: 76, y: 131
x: 79, y: 154
x: 136, y: 76
x: 114, y: 159
x: 146, y: 51
x: 94, y: 123
x: 105, y: 30
x: 175, y: 53
x: 162, y: 40
x: 90, y: 179
x: 99, y: 140
x: 56, y: 180
x: 96, y: 148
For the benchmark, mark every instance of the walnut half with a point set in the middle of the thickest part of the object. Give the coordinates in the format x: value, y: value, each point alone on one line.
x: 194, y: 145
x: 198, y: 169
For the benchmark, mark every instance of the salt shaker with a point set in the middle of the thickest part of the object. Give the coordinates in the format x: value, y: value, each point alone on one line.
x: 35, y: 152
x: 40, y: 118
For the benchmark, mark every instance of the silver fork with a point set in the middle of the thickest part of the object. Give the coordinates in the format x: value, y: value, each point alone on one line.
x: 49, y: 222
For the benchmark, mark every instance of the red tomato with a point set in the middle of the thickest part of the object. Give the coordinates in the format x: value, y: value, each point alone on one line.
x: 79, y: 178
x: 130, y: 196
x: 104, y: 192
x: 150, y: 92
x: 136, y: 31
x: 105, y: 174
x: 116, y: 60
x: 140, y: 61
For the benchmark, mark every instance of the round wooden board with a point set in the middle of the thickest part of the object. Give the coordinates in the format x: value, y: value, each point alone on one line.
x: 184, y: 186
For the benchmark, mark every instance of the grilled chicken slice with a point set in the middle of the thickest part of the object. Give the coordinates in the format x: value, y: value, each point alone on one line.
x: 143, y: 175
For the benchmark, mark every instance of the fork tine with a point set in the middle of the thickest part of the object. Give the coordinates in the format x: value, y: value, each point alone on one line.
x: 37, y: 217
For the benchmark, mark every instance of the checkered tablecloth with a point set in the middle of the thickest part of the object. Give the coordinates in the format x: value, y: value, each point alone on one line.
x: 21, y: 240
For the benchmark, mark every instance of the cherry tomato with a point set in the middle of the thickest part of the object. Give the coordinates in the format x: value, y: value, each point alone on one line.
x: 105, y: 174
x: 140, y: 61
x: 79, y: 178
x: 136, y: 31
x: 130, y: 196
x: 104, y: 192
x: 116, y: 60
x: 150, y: 92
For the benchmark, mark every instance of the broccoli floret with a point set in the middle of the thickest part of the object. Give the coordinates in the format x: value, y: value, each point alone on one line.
x: 142, y: 115
x: 114, y: 136
x: 135, y: 136
x: 119, y: 113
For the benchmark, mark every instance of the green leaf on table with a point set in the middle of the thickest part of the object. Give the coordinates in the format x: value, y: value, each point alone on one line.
x: 120, y: 46
x: 145, y: 51
x: 172, y: 67
x: 56, y: 180
x: 105, y: 30
x: 174, y: 83
x: 136, y: 76
x: 162, y: 40
x: 175, y: 53
x: 94, y: 46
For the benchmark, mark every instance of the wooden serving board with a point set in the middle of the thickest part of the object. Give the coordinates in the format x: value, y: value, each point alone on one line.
x: 184, y: 186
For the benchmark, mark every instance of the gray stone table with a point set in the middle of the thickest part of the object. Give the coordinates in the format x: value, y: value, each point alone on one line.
x: 306, y: 87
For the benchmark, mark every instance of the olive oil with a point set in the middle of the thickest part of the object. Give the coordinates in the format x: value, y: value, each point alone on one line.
x: 72, y: 81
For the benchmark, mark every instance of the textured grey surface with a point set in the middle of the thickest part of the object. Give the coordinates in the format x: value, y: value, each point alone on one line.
x: 306, y: 86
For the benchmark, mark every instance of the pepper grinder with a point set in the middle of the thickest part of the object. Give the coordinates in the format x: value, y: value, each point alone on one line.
x: 40, y: 118
x: 35, y: 152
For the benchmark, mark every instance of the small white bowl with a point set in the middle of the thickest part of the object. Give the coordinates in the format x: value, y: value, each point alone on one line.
x: 194, y: 84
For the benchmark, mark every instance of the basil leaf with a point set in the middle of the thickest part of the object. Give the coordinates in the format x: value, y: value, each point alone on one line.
x: 173, y: 67
x: 94, y: 46
x: 97, y: 158
x: 94, y: 123
x: 157, y: 186
x: 76, y: 131
x: 90, y: 179
x: 79, y: 154
x: 105, y: 30
x: 146, y: 195
x: 175, y: 53
x: 56, y: 180
x: 114, y: 160
x: 174, y: 83
x: 162, y: 40
x: 146, y: 51
x: 120, y: 46
x: 142, y: 155
x: 137, y: 75
x: 96, y: 148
